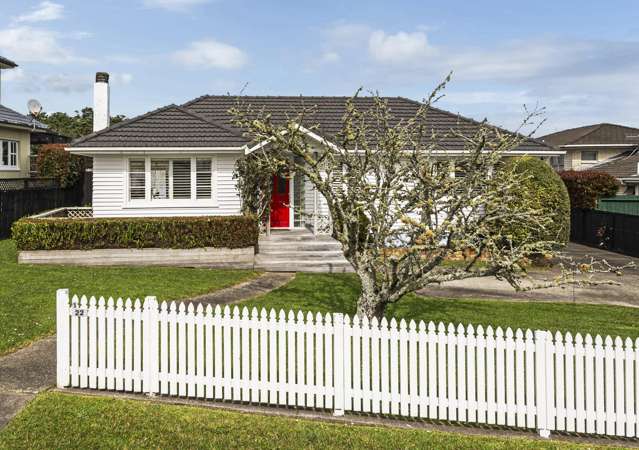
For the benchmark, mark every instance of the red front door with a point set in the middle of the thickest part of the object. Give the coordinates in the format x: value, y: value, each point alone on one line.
x: 280, y: 215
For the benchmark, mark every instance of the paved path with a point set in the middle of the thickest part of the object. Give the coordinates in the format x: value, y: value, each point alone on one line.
x: 626, y: 294
x: 243, y: 291
x: 23, y: 374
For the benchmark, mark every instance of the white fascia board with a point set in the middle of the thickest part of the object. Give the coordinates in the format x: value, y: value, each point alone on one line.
x: 93, y: 151
x: 597, y: 145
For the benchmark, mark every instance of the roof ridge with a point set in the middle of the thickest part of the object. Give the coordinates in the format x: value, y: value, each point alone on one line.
x: 121, y: 124
x: 209, y: 121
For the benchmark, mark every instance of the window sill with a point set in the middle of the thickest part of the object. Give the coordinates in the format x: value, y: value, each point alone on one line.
x: 174, y: 205
x: 9, y: 169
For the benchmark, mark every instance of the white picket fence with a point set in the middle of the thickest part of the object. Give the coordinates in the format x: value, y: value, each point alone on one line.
x: 519, y: 379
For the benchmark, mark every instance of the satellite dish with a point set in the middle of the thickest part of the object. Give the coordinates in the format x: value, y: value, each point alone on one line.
x: 34, y: 106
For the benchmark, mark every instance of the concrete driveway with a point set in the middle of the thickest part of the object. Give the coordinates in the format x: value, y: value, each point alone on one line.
x: 625, y: 294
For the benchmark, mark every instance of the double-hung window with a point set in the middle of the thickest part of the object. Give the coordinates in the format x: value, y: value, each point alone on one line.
x: 8, y: 154
x: 172, y: 181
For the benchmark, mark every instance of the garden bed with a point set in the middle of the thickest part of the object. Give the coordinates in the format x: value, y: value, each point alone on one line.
x: 210, y: 241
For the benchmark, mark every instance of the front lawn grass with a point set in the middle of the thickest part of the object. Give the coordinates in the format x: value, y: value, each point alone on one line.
x: 339, y: 292
x: 27, y: 292
x: 56, y: 420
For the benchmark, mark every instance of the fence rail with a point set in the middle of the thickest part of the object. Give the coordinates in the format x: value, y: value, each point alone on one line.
x: 480, y: 375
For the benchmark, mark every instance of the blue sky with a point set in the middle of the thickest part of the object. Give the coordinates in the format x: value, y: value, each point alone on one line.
x: 578, y: 59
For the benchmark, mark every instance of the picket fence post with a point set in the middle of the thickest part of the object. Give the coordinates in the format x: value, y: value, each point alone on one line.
x: 62, y: 337
x: 338, y: 369
x: 541, y: 386
x: 150, y: 345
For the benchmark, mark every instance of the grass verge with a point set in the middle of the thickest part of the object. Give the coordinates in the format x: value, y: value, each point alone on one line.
x: 339, y: 292
x: 61, y: 421
x: 27, y: 292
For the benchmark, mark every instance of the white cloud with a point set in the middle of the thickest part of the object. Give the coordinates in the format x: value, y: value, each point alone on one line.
x: 346, y: 35
x: 29, y: 44
x: 174, y: 5
x: 44, y: 12
x: 28, y: 81
x: 399, y: 48
x: 210, y: 53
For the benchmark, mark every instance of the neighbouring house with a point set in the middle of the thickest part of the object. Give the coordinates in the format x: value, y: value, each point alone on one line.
x: 15, y: 137
x: 590, y: 145
x: 625, y: 168
x: 179, y: 160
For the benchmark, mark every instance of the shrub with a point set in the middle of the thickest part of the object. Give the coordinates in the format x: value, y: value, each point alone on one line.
x: 161, y: 232
x: 54, y: 161
x: 585, y: 187
x: 542, y: 190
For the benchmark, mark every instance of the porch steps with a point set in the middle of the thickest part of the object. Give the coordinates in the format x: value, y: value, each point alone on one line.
x: 300, y: 251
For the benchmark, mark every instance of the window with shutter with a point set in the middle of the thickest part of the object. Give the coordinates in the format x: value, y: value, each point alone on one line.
x: 185, y: 180
x: 137, y: 175
x: 181, y: 178
x: 203, y: 178
x: 159, y: 179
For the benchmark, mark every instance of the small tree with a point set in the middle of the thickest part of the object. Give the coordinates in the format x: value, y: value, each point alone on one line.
x: 585, y: 187
x: 395, y: 208
x: 73, y: 126
x: 55, y: 162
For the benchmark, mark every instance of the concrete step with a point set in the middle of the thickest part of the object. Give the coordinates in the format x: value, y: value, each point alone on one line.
x: 265, y: 247
x: 301, y: 254
x: 326, y: 266
x: 296, y: 238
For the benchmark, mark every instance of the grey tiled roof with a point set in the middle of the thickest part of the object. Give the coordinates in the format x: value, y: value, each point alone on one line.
x: 170, y: 126
x: 597, y: 134
x: 623, y: 165
x: 6, y: 63
x: 11, y: 117
x: 158, y: 128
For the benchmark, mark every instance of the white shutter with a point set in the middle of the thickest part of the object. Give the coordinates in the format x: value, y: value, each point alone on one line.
x: 203, y: 178
x: 182, y: 179
x: 136, y: 179
x: 159, y: 179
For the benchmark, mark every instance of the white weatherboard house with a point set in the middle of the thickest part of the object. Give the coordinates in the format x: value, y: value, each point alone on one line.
x: 179, y: 160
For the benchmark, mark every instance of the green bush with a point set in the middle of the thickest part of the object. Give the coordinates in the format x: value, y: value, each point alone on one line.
x: 585, y: 187
x: 543, y: 190
x: 161, y: 232
x: 54, y: 161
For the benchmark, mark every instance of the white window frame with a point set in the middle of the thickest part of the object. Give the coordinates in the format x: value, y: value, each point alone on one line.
x: 193, y: 202
x: 17, y: 147
x: 589, y: 161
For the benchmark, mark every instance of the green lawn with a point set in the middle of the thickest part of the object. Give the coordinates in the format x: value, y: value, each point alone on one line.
x: 27, y: 293
x: 331, y: 293
x: 55, y: 420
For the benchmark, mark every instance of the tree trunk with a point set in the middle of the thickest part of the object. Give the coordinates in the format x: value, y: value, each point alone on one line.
x: 369, y: 303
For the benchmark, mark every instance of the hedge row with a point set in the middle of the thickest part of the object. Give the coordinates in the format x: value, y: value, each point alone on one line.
x: 161, y: 232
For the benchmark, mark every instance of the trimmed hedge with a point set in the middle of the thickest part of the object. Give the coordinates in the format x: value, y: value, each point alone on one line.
x: 144, y: 232
x: 585, y: 187
x: 543, y: 190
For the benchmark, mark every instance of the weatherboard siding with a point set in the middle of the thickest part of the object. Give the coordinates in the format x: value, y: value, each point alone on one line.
x: 109, y: 191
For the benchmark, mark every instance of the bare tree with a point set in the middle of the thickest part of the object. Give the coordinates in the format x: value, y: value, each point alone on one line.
x: 395, y: 208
